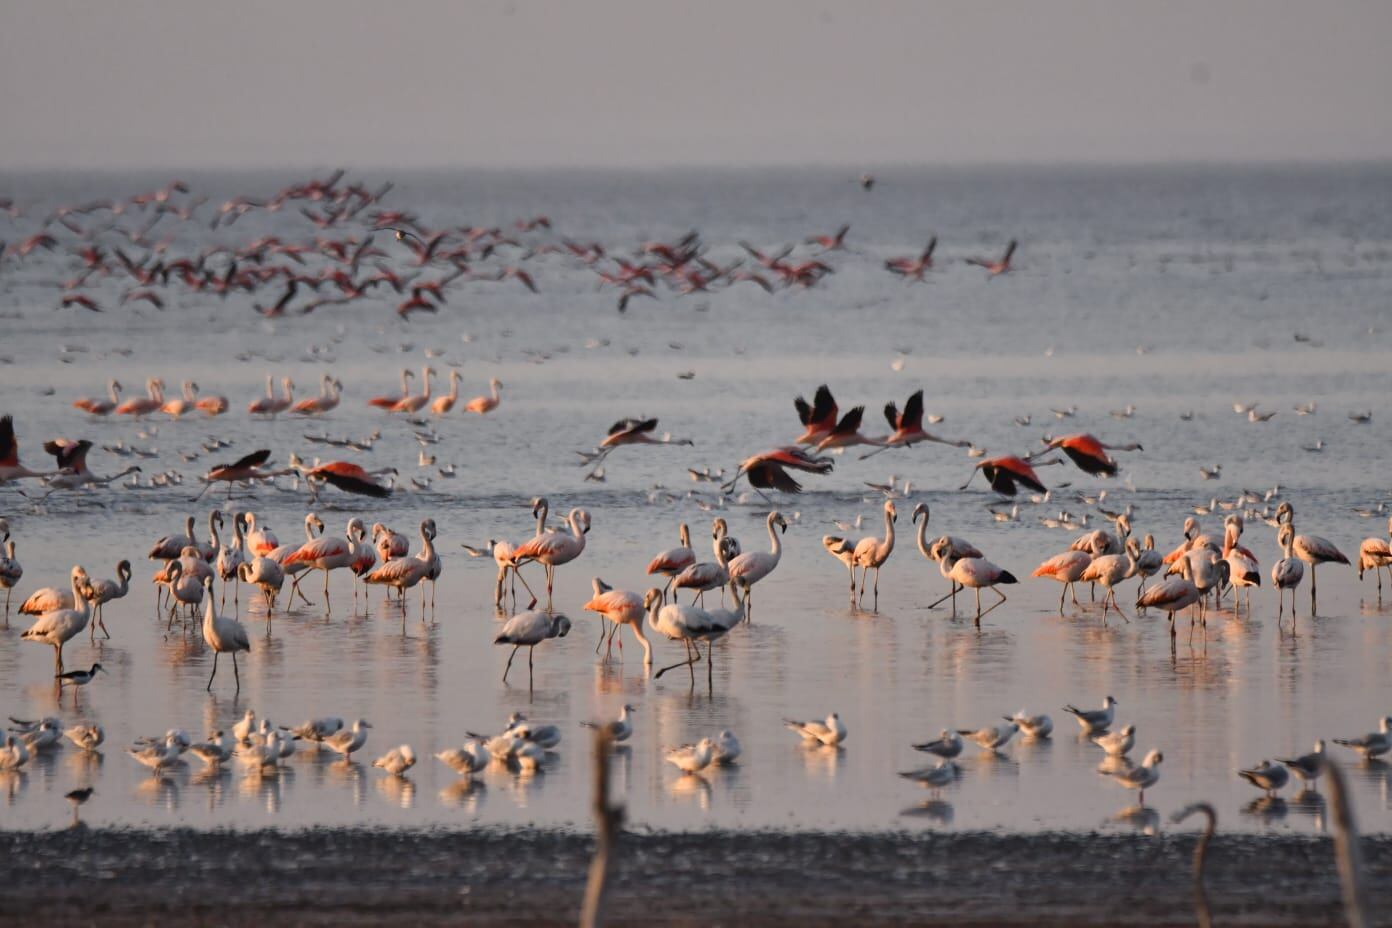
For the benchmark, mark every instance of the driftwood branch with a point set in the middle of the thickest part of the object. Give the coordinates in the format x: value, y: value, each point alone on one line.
x: 609, y: 824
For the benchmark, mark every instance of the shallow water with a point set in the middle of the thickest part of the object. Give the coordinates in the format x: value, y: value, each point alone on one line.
x: 1210, y: 273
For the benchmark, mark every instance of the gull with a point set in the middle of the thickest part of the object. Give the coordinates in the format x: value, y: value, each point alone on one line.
x: 947, y: 745
x: 934, y: 778
x: 1143, y: 777
x: 466, y: 760
x: 1117, y: 743
x: 242, y: 730
x: 548, y: 736
x: 620, y: 729
x: 992, y: 738
x: 87, y: 737
x: 349, y: 740
x: 45, y: 736
x: 1034, y: 727
x: 317, y: 730
x: 1304, y: 409
x: 726, y: 748
x: 397, y: 761
x: 1254, y: 416
x: 157, y: 756
x: 529, y: 755
x: 692, y: 758
x: 1094, y: 720
x: 831, y: 732
x: 216, y: 751
x: 14, y: 754
x: 1307, y: 767
x: 1266, y: 776
x: 1211, y: 473
x: 1373, y: 743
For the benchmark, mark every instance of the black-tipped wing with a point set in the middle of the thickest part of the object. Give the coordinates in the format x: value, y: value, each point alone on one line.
x: 913, y: 411
x: 9, y: 448
x: 255, y: 459
x: 68, y: 454
x: 823, y: 405
x: 850, y: 422
x: 632, y: 426
x: 356, y: 485
x: 892, y: 416
x: 770, y: 476
x: 804, y: 411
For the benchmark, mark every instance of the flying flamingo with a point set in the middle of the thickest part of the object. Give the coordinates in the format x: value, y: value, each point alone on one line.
x: 388, y: 401
x: 869, y: 553
x: 444, y: 404
x: 1374, y: 554
x: 1090, y: 453
x: 555, y: 548
x: 846, y: 433
x: 488, y: 403
x: 1003, y: 473
x: 831, y: 242
x: 59, y: 626
x: 974, y: 572
x: 413, y: 403
x: 10, y: 468
x: 327, y: 554
x: 330, y: 391
x: 908, y: 427
x: 673, y: 561
x: 995, y: 266
x: 348, y: 477
x: 629, y: 432
x: 913, y: 268
x: 817, y: 419
x: 242, y: 470
x: 752, y: 566
x: 144, y: 405
x: 621, y: 608
x: 769, y: 469
x: 224, y: 634
x: 1312, y: 549
x: 101, y: 406
x: 1067, y: 568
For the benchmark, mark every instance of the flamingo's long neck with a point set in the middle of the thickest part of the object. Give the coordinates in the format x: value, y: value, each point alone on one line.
x: 237, y: 532
x: 124, y: 576
x: 454, y: 387
x: 541, y: 519
x: 777, y: 546
x: 494, y: 388
x: 79, y: 601
x: 309, y: 529
x: 213, y: 530
x: 270, y: 387
x: 923, y: 538
x: 427, y: 551
x: 114, y: 392
x: 285, y: 385
x: 889, y: 531
x: 405, y: 385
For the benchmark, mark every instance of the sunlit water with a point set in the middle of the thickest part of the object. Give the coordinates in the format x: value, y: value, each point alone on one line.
x: 1210, y: 274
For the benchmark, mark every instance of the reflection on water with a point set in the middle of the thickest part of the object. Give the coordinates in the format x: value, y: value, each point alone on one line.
x: 1241, y: 687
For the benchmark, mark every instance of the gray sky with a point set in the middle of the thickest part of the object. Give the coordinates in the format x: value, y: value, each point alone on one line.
x: 614, y: 82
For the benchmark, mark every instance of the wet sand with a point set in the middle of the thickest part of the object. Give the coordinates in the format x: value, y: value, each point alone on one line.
x: 360, y: 876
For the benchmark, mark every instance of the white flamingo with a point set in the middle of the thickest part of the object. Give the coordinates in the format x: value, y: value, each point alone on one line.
x: 869, y: 553
x: 752, y: 566
x: 527, y: 630
x: 224, y: 634
x: 58, y: 627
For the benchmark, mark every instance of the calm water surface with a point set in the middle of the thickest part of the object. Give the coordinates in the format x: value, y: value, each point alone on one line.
x: 1175, y: 291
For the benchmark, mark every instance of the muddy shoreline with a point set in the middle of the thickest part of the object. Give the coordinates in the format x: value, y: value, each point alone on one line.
x: 495, y: 877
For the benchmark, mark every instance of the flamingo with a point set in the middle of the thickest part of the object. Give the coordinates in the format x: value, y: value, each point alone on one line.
x: 752, y: 566
x: 270, y: 404
x: 1003, y: 473
x: 171, y: 546
x: 404, y: 573
x: 707, y: 575
x: 185, y: 587
x: 326, y: 554
x: 1312, y: 549
x: 224, y: 634
x: 265, y: 574
x: 673, y: 561
x: 141, y: 406
x: 1089, y: 453
x: 330, y: 391
x: 230, y: 557
x: 413, y: 403
x: 502, y: 554
x: 1171, y: 594
x: 101, y: 592
x: 176, y: 408
x: 48, y: 599
x: 443, y: 404
x: 1287, y: 573
x: 10, y: 468
x: 831, y: 242
x: 913, y: 268
x: 621, y: 608
x: 869, y: 553
x: 555, y: 548
x: 1243, y: 568
x: 264, y: 405
x: 529, y: 629
x: 390, y: 545
x: 1109, y: 570
x: 10, y: 573
x: 348, y: 477
x: 1067, y: 568
x: 313, y: 526
x: 1148, y: 560
x: 630, y: 432
x: 486, y: 404
x: 817, y: 419
x: 214, y: 405
x: 769, y: 469
x: 1374, y: 554
x: 957, y: 547
x: 59, y: 626
x: 677, y: 622
x: 908, y: 427
x: 974, y: 572
x: 995, y: 266
x: 98, y: 405
x: 846, y: 433
x: 388, y: 401
x: 243, y: 470
x: 364, y: 555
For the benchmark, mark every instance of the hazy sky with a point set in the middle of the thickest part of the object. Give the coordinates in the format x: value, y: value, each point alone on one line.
x: 526, y: 82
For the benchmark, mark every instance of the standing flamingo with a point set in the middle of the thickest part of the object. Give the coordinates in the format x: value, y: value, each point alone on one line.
x: 1287, y: 573
x: 59, y: 626
x: 752, y: 566
x: 230, y: 557
x: 224, y: 634
x: 10, y: 573
x: 444, y: 404
x: 620, y: 607
x: 330, y: 391
x: 263, y: 405
x: 556, y: 548
x: 673, y: 561
x: 266, y: 574
x: 101, y: 592
x: 1171, y: 595
x: 144, y: 405
x: 957, y: 548
x: 1067, y: 568
x: 974, y: 572
x: 1312, y: 549
x: 486, y: 404
x: 528, y: 630
x: 404, y: 573
x: 259, y: 539
x: 869, y: 553
x: 1109, y: 570
x: 1374, y: 554
x: 214, y: 405
x: 709, y: 575
x: 413, y: 403
x: 177, y: 407
x: 388, y: 401
x: 99, y: 405
x: 326, y: 554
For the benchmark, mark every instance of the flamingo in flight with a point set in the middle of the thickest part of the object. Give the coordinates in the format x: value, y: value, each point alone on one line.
x: 908, y: 427
x: 817, y: 419
x: 913, y: 268
x: 1003, y: 473
x: 831, y: 242
x: 71, y: 457
x: 348, y: 477
x: 1090, y: 453
x: 846, y: 433
x: 629, y: 432
x: 242, y: 470
x: 768, y: 470
x: 996, y: 266
x: 10, y: 468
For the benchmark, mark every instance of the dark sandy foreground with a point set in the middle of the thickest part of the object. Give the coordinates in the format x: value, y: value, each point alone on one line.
x: 126, y: 877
